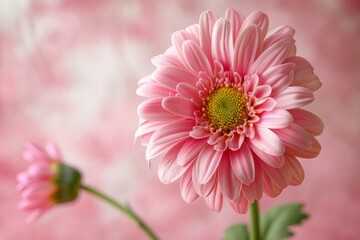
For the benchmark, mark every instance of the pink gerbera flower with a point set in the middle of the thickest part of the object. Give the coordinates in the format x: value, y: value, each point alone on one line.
x: 224, y: 110
x: 46, y: 182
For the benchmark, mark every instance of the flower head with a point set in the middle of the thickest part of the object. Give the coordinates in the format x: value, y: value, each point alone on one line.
x: 46, y: 182
x: 224, y: 110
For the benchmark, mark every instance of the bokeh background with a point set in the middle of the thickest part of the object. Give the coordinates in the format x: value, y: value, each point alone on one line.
x: 68, y: 74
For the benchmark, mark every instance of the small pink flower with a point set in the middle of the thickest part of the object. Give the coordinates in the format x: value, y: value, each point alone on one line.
x: 46, y: 182
x: 224, y: 110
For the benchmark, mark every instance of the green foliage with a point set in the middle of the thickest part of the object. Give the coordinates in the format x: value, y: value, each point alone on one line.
x: 238, y: 232
x: 274, y: 224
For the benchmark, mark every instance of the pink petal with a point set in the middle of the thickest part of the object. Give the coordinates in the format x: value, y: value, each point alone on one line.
x: 258, y: 18
x: 307, y: 120
x: 38, y: 203
x: 147, y: 127
x: 222, y: 144
x: 278, y: 77
x: 236, y: 20
x: 250, y: 82
x: 294, y: 136
x: 215, y: 137
x: 194, y: 32
x: 282, y: 37
x: 296, y: 169
x: 152, y: 110
x: 187, y: 90
x: 266, y: 104
x: 200, y: 132
x: 304, y: 74
x: 270, y: 188
x: 206, y: 22
x: 172, y: 131
x: 145, y: 139
x: 250, y: 132
x: 254, y: 190
x: 195, y: 58
x: 274, y: 161
x: 230, y: 185
x: 34, y: 184
x: 153, y: 90
x: 268, y: 142
x: 309, y: 81
x: 272, y: 56
x: 236, y: 142
x: 294, y: 97
x: 36, y: 193
x: 187, y: 190
x: 277, y: 118
x: 179, y: 106
x: 280, y: 176
x: 215, y: 198
x: 169, y: 170
x: 203, y: 189
x: 21, y: 187
x: 247, y: 49
x: 166, y: 137
x: 207, y: 163
x: 172, y: 76
x: 241, y: 204
x: 154, y: 150
x: 169, y: 58
x: 313, y: 152
x: 145, y: 80
x: 177, y: 39
x: 52, y: 151
x: 28, y: 182
x: 262, y: 91
x: 190, y: 150
x: 222, y: 42
x: 279, y: 34
x: 242, y: 163
x: 22, y: 177
x: 40, y: 170
x: 34, y: 153
x: 28, y: 156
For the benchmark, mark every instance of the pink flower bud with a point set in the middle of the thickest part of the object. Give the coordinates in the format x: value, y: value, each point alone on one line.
x: 46, y: 182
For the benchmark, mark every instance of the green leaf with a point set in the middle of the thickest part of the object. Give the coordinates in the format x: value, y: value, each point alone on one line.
x: 237, y: 232
x: 274, y: 224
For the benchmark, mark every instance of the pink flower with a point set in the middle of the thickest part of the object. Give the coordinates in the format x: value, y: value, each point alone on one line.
x: 224, y: 110
x: 46, y: 182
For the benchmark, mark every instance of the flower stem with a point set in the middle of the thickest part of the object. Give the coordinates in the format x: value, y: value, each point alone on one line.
x: 255, y: 221
x: 122, y: 208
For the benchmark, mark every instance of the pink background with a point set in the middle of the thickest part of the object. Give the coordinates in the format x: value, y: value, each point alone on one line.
x: 69, y: 71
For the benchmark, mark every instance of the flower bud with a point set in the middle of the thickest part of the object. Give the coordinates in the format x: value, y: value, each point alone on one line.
x: 47, y: 181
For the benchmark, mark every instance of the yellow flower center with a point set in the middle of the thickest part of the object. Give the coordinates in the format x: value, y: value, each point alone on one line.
x: 226, y: 108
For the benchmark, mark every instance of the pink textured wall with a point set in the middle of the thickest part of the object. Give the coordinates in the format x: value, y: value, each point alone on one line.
x: 68, y: 73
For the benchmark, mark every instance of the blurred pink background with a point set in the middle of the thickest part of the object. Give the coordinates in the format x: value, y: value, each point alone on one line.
x: 69, y: 71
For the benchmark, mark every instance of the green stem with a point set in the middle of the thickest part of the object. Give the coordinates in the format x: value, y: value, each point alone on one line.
x: 255, y: 221
x: 122, y: 208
